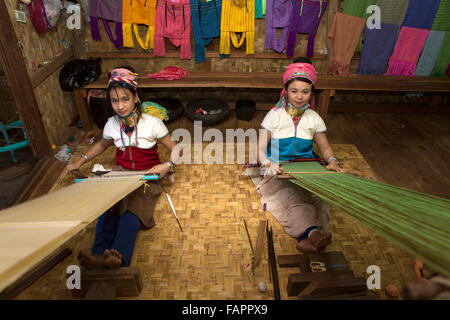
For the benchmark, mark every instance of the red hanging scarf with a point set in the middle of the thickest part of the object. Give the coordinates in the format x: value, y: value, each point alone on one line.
x: 36, y: 9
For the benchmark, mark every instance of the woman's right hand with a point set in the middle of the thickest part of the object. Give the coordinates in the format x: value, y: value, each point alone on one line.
x: 272, y: 169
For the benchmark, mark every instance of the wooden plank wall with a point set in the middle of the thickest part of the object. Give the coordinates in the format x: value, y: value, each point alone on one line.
x: 57, y: 108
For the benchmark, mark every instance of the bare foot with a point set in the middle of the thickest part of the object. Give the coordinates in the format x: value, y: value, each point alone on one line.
x: 90, y: 261
x: 320, y: 240
x: 112, y: 259
x: 306, y: 246
x: 418, y: 270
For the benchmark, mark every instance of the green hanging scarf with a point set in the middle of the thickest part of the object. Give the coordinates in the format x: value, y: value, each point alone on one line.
x: 443, y: 58
x: 442, y: 19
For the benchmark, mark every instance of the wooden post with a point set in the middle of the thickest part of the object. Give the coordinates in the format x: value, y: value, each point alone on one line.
x: 434, y: 102
x: 80, y: 95
x: 20, y: 86
x: 324, y: 102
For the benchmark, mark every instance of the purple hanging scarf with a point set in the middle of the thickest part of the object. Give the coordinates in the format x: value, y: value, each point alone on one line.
x: 378, y: 47
x: 305, y: 18
x: 107, y: 10
x: 277, y: 16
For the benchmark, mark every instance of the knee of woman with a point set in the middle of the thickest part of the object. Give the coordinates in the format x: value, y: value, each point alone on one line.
x: 130, y: 219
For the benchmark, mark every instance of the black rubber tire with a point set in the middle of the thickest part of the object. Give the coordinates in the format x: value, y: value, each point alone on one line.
x: 209, y: 105
x: 174, y: 107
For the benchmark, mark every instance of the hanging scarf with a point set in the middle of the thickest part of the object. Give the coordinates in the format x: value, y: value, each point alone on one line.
x: 378, y: 47
x: 441, y: 20
x: 136, y: 12
x: 36, y: 10
x: 258, y: 9
x: 443, y: 58
x: 357, y: 8
x: 106, y: 10
x: 393, y: 11
x: 346, y: 31
x: 420, y: 13
x: 205, y: 24
x: 237, y: 16
x: 430, y: 53
x: 407, y: 50
x: 173, y: 21
x: 169, y: 73
x: 278, y: 16
x: 305, y: 18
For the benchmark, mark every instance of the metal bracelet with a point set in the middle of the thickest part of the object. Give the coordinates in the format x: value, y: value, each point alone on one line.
x: 331, y: 159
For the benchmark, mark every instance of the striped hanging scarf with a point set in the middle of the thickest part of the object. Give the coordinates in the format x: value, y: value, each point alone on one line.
x: 278, y: 16
x: 173, y: 21
x: 259, y: 9
x: 205, y: 18
x: 442, y: 20
x: 106, y: 10
x: 430, y: 53
x: 378, y: 47
x: 237, y: 16
x: 420, y: 13
x: 305, y: 18
x: 393, y: 11
x: 136, y: 12
x: 443, y: 58
x: 407, y: 50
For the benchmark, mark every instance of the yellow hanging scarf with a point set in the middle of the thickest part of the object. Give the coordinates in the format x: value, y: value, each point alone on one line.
x: 137, y: 12
x: 237, y: 16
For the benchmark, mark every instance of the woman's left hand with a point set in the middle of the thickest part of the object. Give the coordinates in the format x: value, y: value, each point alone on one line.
x: 162, y: 169
x: 334, y: 167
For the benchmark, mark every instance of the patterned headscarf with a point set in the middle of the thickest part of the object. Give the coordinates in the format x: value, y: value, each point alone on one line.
x: 124, y: 76
x: 298, y: 70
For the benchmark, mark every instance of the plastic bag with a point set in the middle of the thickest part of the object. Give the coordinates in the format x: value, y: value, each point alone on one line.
x: 78, y: 73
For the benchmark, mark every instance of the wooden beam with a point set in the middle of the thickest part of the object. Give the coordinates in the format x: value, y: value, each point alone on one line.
x: 260, y: 243
x: 126, y: 281
x: 335, y: 286
x: 422, y: 109
x: 176, y: 54
x: 324, y: 102
x: 20, y: 85
x: 46, y: 71
x: 297, y: 282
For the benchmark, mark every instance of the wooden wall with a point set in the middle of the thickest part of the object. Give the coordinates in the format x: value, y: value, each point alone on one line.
x: 57, y: 108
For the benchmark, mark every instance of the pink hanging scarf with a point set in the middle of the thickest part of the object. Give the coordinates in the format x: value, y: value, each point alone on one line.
x: 407, y: 51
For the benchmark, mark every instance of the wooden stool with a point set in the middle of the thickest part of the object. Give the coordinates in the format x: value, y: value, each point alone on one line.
x: 324, y: 275
x: 107, y: 284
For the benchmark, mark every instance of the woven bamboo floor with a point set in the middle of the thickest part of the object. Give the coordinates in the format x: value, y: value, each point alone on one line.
x: 211, y: 258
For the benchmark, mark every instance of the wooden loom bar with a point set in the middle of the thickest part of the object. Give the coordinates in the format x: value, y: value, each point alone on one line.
x: 273, y: 264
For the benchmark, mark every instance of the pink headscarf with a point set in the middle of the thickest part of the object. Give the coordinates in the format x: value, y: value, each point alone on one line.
x: 125, y: 76
x: 299, y: 70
